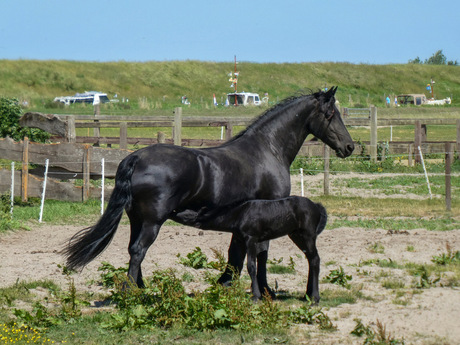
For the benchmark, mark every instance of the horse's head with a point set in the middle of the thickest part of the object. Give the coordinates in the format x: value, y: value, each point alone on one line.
x: 326, y: 124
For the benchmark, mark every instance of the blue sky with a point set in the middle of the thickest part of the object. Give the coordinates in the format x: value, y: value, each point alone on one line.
x: 355, y: 31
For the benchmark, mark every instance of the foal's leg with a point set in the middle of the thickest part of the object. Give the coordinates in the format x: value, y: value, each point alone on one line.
x: 236, y: 255
x: 308, y: 246
x: 262, y: 256
x: 252, y: 268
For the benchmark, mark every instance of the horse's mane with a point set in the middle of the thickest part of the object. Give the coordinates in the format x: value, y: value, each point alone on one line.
x: 277, y: 108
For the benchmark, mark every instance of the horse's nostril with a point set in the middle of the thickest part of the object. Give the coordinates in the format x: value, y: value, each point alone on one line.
x: 350, y: 147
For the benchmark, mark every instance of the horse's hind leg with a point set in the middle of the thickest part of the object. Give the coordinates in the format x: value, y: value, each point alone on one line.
x: 143, y: 234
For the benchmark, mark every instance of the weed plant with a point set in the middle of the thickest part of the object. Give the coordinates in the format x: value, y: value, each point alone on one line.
x: 338, y: 277
x: 375, y: 336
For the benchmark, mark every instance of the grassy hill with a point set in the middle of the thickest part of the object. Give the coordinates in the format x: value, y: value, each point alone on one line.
x: 159, y: 85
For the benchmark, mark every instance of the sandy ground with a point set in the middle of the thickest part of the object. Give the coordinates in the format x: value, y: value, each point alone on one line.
x: 430, y: 317
x: 427, y: 316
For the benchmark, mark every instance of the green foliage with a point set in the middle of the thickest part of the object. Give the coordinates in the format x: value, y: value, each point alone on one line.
x: 7, y: 222
x: 164, y: 303
x: 10, y: 112
x: 308, y: 314
x: 70, y: 307
x: 450, y: 257
x: 275, y: 266
x: 197, y: 259
x: 377, y: 248
x: 423, y: 279
x: 438, y: 58
x: 338, y: 277
x: 110, y: 275
x: 378, y: 336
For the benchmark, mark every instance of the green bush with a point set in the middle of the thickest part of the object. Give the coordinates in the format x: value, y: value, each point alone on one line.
x: 10, y: 113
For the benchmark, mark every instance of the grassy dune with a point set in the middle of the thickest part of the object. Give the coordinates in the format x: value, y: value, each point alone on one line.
x: 161, y: 84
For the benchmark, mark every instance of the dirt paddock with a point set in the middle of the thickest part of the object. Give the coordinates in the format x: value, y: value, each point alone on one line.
x: 430, y: 316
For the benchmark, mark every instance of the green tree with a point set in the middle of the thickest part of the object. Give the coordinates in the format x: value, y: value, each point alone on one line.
x: 10, y: 113
x: 437, y: 58
x: 416, y: 61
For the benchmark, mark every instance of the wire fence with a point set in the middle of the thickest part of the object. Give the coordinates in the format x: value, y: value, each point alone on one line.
x: 299, y: 176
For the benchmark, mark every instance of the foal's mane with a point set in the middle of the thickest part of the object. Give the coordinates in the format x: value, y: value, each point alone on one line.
x: 277, y: 108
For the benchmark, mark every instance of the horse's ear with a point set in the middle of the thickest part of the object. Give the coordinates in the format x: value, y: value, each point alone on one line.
x: 330, y: 93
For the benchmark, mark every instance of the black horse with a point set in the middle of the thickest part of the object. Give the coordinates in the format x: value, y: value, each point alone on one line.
x: 255, y: 221
x: 162, y: 181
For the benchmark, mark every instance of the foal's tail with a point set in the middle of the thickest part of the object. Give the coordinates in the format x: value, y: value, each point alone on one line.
x: 88, y: 243
x: 323, y: 219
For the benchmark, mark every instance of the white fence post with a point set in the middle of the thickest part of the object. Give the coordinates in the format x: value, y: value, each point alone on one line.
x: 44, y: 191
x: 302, y: 191
x: 102, y: 184
x: 12, y: 187
x: 424, y: 169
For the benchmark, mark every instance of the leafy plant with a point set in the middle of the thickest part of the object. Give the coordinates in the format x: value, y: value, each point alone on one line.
x: 197, y: 260
x: 447, y: 258
x: 311, y: 315
x: 373, y: 336
x: 338, y: 277
x: 423, y: 279
x: 110, y: 275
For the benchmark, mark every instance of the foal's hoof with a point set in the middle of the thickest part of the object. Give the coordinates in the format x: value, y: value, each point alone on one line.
x: 269, y: 292
x: 313, y: 300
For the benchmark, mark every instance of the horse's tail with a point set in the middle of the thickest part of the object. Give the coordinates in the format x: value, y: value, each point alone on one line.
x: 88, y: 243
x: 323, y: 219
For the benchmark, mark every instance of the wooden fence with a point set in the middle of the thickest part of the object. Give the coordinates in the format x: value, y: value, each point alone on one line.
x: 80, y: 157
x: 67, y: 161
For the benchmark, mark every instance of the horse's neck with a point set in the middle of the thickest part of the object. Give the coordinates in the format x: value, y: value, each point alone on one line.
x: 283, y: 133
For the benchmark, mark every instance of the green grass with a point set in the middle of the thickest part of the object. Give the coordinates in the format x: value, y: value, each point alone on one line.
x: 158, y: 86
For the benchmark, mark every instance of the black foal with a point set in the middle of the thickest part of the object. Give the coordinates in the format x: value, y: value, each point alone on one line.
x: 255, y: 221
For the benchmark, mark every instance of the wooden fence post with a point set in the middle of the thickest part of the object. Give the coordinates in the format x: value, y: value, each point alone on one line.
x: 458, y: 138
x: 410, y: 154
x: 123, y: 135
x: 177, y: 126
x: 71, y: 134
x: 448, y: 170
x: 161, y: 138
x: 25, y: 169
x: 418, y: 140
x: 373, y: 140
x: 326, y: 169
x: 228, y: 131
x: 86, y: 172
